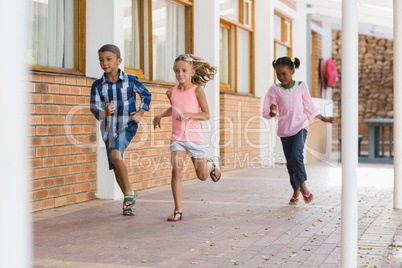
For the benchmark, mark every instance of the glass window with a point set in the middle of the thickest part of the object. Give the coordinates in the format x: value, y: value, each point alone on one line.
x: 224, y: 55
x: 132, y: 34
x: 243, y: 61
x: 281, y: 50
x: 229, y: 9
x: 247, y: 13
x: 52, y: 33
x: 168, y: 37
x: 277, y: 27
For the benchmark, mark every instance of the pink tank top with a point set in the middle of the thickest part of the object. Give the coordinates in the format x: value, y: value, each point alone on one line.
x: 185, y: 102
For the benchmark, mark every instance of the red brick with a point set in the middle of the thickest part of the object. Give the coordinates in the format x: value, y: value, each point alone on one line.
x: 41, y: 152
x: 47, y: 98
x: 82, y: 81
x: 60, y: 201
x: 71, y: 80
x: 48, y: 162
x: 48, y: 78
x: 36, y: 163
x: 41, y: 130
x: 59, y: 99
x: 35, y: 98
x: 53, y: 88
x: 60, y: 79
x: 35, y: 77
x: 65, y: 89
x: 47, y: 183
x: 41, y: 194
x: 48, y: 203
x: 37, y: 206
x: 36, y: 184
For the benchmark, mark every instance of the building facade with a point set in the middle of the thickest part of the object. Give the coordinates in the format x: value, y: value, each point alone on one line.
x: 240, y: 37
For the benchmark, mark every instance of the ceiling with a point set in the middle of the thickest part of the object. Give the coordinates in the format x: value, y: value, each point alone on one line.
x: 374, y: 16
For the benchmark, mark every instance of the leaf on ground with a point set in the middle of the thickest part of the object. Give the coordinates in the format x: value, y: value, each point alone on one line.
x: 192, y: 250
x: 205, y: 254
x: 143, y: 261
x: 265, y: 258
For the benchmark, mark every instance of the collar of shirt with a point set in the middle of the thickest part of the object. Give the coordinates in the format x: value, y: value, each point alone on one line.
x: 121, y: 77
x: 295, y: 84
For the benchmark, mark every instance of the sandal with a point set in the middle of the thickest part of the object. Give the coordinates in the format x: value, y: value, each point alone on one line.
x: 212, y: 174
x: 308, y: 198
x: 294, y: 201
x: 174, y: 216
x: 131, y: 207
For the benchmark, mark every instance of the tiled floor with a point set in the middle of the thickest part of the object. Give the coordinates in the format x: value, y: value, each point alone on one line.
x: 243, y: 220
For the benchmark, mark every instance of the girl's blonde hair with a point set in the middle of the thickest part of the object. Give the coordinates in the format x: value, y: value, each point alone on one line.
x: 204, y: 72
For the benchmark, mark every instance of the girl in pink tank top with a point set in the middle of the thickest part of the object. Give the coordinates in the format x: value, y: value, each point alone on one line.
x: 188, y: 107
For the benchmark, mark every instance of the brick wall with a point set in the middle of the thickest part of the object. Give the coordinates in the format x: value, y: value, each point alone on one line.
x: 63, y: 143
x: 62, y: 147
x: 240, y: 135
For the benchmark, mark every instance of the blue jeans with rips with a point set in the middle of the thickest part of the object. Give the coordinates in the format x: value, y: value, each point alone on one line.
x: 293, y: 148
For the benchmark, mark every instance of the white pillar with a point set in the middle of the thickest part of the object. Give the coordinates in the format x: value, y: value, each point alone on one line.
x: 15, y: 197
x: 206, y: 45
x: 264, y: 51
x: 104, y: 25
x: 397, y: 105
x: 349, y: 133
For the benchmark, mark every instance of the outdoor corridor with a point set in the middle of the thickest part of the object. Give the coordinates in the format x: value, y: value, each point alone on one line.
x: 242, y: 220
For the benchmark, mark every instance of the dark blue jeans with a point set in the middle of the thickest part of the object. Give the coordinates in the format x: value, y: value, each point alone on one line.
x: 293, y: 148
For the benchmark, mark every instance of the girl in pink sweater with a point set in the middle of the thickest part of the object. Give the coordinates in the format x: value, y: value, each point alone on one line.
x: 188, y: 107
x: 291, y: 100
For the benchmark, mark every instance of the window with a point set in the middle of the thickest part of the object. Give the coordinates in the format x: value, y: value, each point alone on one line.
x: 133, y: 37
x: 155, y: 33
x: 224, y: 56
x: 236, y: 31
x: 282, y: 36
x: 57, y: 30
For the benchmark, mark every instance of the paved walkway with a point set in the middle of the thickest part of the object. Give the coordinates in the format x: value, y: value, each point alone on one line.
x: 242, y: 220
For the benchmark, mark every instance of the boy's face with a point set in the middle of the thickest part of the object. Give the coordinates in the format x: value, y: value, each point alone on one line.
x: 109, y: 62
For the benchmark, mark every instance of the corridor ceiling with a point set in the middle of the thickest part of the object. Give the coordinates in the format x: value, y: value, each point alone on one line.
x: 375, y: 16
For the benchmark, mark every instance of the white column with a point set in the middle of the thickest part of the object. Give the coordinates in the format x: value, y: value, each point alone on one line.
x: 104, y: 25
x: 264, y: 56
x: 397, y: 105
x: 206, y: 45
x: 15, y: 197
x: 349, y: 133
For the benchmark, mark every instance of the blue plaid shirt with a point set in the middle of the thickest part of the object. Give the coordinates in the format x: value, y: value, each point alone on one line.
x: 122, y: 93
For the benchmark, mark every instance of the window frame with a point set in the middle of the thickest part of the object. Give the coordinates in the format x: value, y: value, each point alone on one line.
x: 286, y: 33
x: 235, y: 26
x: 79, y: 44
x: 139, y: 72
x: 188, y: 32
x: 227, y: 26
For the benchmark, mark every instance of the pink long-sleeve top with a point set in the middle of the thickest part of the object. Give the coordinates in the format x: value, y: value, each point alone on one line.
x: 295, y: 107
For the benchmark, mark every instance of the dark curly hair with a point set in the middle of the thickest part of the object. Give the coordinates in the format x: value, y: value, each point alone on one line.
x: 292, y: 63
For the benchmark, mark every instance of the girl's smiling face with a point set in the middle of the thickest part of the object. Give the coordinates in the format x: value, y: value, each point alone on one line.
x: 284, y: 74
x: 184, y: 71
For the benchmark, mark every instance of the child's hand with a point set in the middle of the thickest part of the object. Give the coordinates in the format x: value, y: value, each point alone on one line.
x: 157, y: 122
x: 329, y: 119
x: 110, y: 109
x: 137, y: 116
x: 182, y: 117
x: 274, y: 108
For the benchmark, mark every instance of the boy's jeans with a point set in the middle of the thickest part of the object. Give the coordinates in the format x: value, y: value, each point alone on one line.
x: 293, y: 148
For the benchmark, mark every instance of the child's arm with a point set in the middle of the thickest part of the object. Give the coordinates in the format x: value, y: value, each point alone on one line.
x: 270, y: 107
x: 145, y: 100
x: 166, y: 113
x: 204, y: 114
x: 329, y: 119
